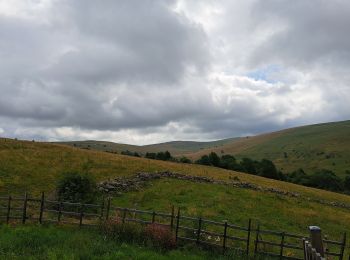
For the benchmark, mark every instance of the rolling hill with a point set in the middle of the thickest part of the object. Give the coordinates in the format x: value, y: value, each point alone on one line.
x: 312, y: 147
x: 35, y: 167
x: 175, y: 147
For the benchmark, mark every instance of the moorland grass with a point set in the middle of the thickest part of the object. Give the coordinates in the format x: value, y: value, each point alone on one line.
x: 52, y: 242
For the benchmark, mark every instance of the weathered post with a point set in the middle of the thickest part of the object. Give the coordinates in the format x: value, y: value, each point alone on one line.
x: 316, y: 239
x: 177, y: 224
x: 224, y: 240
x: 41, y: 207
x: 256, y: 240
x: 282, y: 245
x: 172, y: 218
x: 199, y: 230
x: 248, y: 238
x: 8, y: 210
x: 108, y: 208
x: 24, y: 217
x: 81, y: 214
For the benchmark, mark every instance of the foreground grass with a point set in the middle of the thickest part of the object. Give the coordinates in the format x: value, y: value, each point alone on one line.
x: 50, y: 242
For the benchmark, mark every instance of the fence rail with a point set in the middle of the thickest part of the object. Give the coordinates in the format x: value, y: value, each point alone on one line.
x: 220, y: 235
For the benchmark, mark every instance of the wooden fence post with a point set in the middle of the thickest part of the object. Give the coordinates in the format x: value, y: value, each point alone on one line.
x: 24, y: 216
x: 199, y: 230
x: 41, y: 207
x: 102, y: 208
x: 81, y: 214
x: 8, y: 210
x: 282, y: 245
x: 224, y: 240
x: 304, y: 248
x: 343, y: 247
x: 108, y: 208
x: 172, y: 218
x: 59, y: 212
x: 248, y: 238
x: 316, y: 239
x: 153, y: 216
x: 256, y: 240
x: 177, y: 224
x: 124, y: 215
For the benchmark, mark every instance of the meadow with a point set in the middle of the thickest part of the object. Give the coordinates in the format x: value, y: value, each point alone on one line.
x: 35, y: 167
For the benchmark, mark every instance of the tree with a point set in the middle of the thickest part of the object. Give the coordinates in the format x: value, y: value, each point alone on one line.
x: 76, y: 187
x: 150, y: 155
x: 248, y: 166
x: 204, y: 160
x: 299, y: 177
x: 266, y: 168
x: 214, y: 159
x: 184, y: 159
x: 326, y: 179
x: 228, y: 162
x: 347, y: 183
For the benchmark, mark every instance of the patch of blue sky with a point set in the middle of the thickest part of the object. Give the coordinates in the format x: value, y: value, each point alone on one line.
x: 267, y: 73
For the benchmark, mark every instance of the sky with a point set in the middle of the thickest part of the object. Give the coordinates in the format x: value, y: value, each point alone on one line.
x: 143, y: 72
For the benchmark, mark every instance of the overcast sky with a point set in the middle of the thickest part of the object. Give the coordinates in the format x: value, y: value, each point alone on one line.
x: 151, y: 71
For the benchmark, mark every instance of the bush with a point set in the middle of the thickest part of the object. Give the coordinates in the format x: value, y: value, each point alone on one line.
x: 153, y: 234
x: 76, y: 187
x: 123, y: 232
x: 160, y: 237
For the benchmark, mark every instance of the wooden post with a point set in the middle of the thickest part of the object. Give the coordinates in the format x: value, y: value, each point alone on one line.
x: 248, y: 238
x: 8, y: 210
x: 172, y: 218
x: 81, y: 214
x: 225, y: 235
x: 153, y: 216
x: 316, y: 239
x: 102, y: 208
x: 282, y: 244
x: 108, y: 207
x: 41, y: 207
x: 342, y: 247
x: 177, y: 224
x: 124, y: 215
x: 199, y: 230
x: 304, y: 248
x: 59, y: 212
x: 24, y: 216
x: 256, y: 240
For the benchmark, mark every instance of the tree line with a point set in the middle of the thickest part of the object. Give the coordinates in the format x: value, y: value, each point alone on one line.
x: 322, y: 179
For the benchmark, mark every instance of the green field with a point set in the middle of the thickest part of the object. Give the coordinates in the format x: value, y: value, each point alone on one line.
x: 51, y: 242
x: 35, y: 167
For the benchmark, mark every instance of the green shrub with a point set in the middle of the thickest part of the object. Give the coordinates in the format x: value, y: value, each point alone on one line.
x: 76, y: 187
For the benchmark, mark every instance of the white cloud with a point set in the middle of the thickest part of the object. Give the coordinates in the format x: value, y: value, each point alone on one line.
x: 151, y: 71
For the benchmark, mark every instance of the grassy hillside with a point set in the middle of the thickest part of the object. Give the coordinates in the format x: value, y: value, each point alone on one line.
x: 309, y: 147
x: 175, y: 147
x: 35, y: 167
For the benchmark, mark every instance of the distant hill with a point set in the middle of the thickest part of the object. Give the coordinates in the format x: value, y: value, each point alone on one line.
x: 312, y: 147
x: 175, y: 147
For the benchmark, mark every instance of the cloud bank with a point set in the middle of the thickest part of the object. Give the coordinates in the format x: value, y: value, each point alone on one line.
x: 151, y: 71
